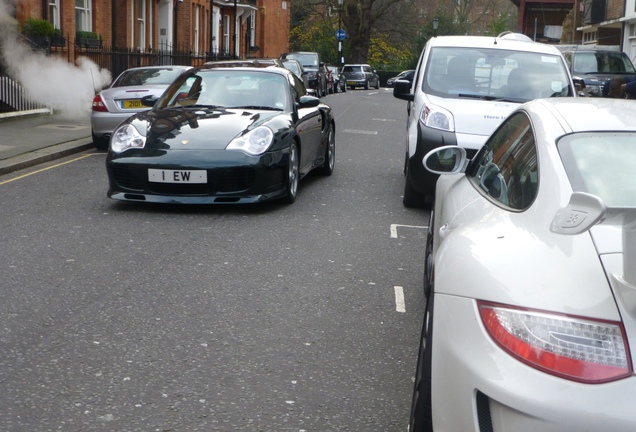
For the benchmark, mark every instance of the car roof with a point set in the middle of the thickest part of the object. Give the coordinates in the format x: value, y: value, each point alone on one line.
x: 587, y: 48
x: 511, y: 41
x: 255, y: 62
x: 589, y: 114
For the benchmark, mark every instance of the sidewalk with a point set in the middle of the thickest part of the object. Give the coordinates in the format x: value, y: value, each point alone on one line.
x: 26, y: 141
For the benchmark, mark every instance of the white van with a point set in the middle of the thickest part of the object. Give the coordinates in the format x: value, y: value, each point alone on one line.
x: 464, y: 87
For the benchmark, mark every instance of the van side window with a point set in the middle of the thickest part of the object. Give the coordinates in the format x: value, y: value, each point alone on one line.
x: 506, y: 168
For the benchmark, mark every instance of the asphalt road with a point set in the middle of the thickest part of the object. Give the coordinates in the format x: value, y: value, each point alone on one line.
x: 132, y: 317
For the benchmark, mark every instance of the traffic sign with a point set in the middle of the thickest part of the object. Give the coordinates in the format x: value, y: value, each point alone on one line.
x: 340, y: 35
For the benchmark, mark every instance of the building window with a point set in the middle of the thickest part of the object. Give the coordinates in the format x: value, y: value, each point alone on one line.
x: 140, y: 24
x: 54, y: 13
x: 226, y: 33
x: 590, y: 37
x: 632, y: 30
x: 83, y: 18
x: 197, y: 29
x: 252, y: 29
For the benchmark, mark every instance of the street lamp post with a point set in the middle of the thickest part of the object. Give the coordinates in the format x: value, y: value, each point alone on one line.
x: 435, y: 25
x: 340, y: 59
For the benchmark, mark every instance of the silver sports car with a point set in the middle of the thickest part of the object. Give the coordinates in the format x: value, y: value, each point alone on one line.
x: 530, y: 276
x: 122, y: 98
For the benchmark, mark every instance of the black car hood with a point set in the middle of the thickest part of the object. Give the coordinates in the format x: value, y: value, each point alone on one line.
x: 198, y: 128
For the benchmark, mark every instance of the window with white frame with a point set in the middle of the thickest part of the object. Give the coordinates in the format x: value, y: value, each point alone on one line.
x: 632, y: 30
x: 140, y: 24
x: 83, y: 18
x: 197, y: 29
x: 54, y: 13
x: 237, y: 32
x: 252, y: 29
x: 226, y: 33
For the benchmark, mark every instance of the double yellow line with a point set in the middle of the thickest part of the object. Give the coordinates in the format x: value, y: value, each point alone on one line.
x: 48, y: 168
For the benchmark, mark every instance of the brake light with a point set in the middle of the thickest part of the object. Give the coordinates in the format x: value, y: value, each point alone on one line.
x: 98, y: 104
x: 574, y: 348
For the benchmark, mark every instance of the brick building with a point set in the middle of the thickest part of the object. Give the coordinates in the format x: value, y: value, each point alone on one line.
x: 203, y: 28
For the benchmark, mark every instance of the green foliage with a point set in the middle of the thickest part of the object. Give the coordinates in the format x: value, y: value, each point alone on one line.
x: 386, y: 55
x: 499, y: 24
x: 38, y: 27
x: 87, y: 35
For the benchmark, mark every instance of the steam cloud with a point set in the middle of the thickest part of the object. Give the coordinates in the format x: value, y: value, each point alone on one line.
x: 53, y: 81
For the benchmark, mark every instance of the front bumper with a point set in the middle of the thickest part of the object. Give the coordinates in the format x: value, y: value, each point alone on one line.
x: 476, y: 386
x: 232, y: 177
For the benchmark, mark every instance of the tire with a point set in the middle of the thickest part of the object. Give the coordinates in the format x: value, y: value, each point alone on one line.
x: 366, y: 85
x: 377, y: 85
x: 412, y: 198
x: 428, y: 257
x: 293, y: 174
x: 421, y: 419
x: 99, y: 142
x: 330, y: 154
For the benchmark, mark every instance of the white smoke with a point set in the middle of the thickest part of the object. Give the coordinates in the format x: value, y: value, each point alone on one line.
x: 51, y: 80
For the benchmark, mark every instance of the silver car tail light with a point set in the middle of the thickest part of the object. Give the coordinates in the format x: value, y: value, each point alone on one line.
x: 574, y: 348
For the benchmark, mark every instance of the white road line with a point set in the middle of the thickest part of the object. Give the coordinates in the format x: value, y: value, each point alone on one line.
x: 361, y: 132
x: 400, y: 306
x: 394, y: 228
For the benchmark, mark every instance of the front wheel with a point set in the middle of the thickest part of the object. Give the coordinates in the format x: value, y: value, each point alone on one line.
x: 366, y: 85
x: 293, y: 174
x: 412, y: 198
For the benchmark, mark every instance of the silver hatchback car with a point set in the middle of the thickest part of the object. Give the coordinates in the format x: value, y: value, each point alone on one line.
x: 123, y: 97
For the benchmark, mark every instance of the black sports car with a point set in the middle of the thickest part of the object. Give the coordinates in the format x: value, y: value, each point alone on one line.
x: 222, y: 135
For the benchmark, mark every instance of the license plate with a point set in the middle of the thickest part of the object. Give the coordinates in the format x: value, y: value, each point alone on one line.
x: 177, y: 176
x: 351, y: 82
x: 132, y: 104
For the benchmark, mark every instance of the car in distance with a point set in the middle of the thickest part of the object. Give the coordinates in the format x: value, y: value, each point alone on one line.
x: 537, y: 332
x: 464, y: 87
x: 299, y: 70
x: 315, y: 67
x: 361, y: 75
x: 122, y: 98
x: 222, y: 135
x: 404, y: 75
x: 592, y: 66
x: 340, y: 82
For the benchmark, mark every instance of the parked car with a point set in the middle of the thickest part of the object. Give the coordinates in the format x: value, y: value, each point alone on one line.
x: 340, y: 82
x: 537, y: 330
x: 464, y: 87
x: 592, y: 66
x: 122, y: 98
x: 250, y: 62
x: 315, y: 67
x: 360, y: 75
x: 299, y: 70
x: 404, y: 75
x: 223, y: 135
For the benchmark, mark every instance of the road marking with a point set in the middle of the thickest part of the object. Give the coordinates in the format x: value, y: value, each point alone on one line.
x: 384, y: 119
x: 394, y: 228
x: 353, y: 131
x: 399, y: 299
x: 47, y: 168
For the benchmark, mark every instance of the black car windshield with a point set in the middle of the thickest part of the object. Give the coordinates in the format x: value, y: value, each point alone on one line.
x: 606, y: 62
x: 520, y: 76
x: 235, y: 88
x: 307, y: 60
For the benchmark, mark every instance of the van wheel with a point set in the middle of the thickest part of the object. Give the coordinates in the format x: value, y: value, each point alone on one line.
x: 412, y: 198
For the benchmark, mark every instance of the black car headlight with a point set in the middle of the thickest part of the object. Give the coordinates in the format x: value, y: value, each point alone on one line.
x: 126, y: 137
x: 255, y: 142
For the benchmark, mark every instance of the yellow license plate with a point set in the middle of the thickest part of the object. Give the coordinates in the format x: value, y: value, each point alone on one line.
x: 132, y: 104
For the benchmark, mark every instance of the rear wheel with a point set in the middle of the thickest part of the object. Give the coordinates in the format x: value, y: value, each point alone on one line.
x: 293, y: 175
x: 330, y: 154
x: 100, y: 143
x: 421, y: 419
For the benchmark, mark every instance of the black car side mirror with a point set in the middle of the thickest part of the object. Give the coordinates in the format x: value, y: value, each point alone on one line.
x: 402, y: 90
x: 308, y: 102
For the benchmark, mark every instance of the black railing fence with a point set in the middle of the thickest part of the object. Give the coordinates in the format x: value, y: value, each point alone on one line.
x: 14, y: 99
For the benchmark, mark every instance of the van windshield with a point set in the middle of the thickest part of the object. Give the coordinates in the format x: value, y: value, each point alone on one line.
x: 517, y: 76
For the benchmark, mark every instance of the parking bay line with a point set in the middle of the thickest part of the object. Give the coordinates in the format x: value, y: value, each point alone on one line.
x: 400, y: 306
x: 394, y: 228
